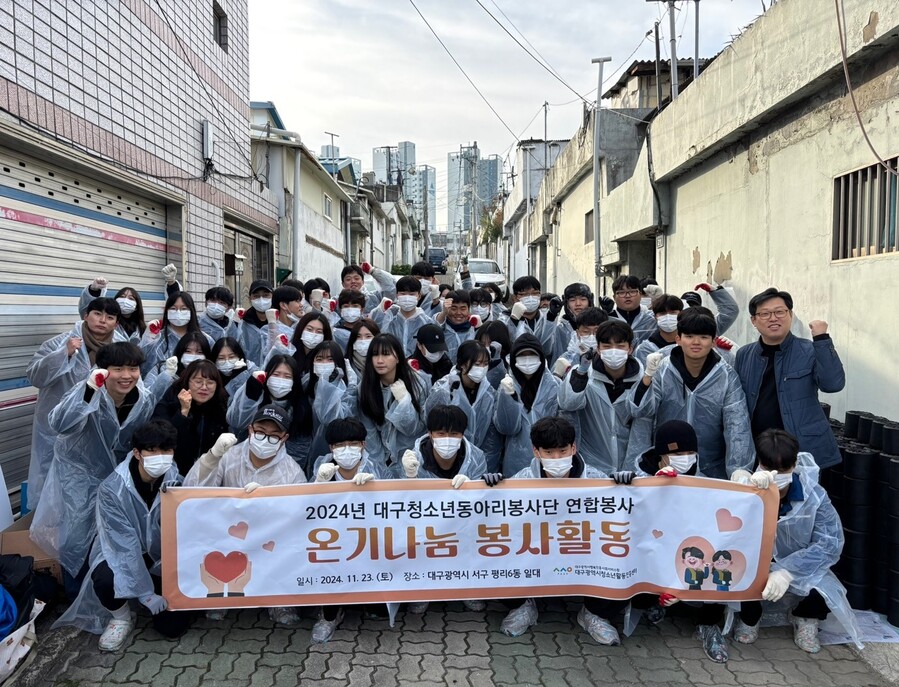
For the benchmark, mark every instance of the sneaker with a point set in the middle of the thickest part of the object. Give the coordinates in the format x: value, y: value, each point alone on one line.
x: 805, y: 634
x: 600, y: 629
x: 654, y: 614
x: 745, y: 634
x: 713, y: 642
x: 518, y: 620
x: 418, y: 608
x: 116, y: 634
x: 216, y: 614
x: 474, y: 605
x: 284, y: 616
x: 323, y: 630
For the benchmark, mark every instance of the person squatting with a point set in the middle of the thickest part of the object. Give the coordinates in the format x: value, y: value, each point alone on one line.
x: 417, y: 380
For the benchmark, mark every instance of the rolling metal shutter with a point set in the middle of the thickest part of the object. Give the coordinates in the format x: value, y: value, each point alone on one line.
x: 58, y: 230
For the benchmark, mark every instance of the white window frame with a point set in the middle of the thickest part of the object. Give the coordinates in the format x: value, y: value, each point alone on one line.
x: 328, y: 207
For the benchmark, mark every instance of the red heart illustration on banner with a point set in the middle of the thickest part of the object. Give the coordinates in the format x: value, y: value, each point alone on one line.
x: 239, y: 530
x: 726, y: 521
x: 657, y: 533
x: 225, y: 568
x: 269, y: 546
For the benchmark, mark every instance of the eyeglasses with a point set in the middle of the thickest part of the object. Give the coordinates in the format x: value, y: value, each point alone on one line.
x: 768, y: 314
x: 202, y: 383
x: 626, y: 294
x: 262, y: 436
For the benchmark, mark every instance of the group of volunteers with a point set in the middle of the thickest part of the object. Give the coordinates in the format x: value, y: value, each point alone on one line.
x: 417, y: 380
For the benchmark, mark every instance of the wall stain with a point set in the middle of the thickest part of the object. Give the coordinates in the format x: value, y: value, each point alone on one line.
x: 870, y: 31
x: 697, y: 258
x: 724, y: 268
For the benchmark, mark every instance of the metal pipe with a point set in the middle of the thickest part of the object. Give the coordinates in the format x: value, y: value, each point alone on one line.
x: 672, y: 29
x: 659, y: 94
x: 696, y: 49
x: 298, y: 238
x: 597, y: 249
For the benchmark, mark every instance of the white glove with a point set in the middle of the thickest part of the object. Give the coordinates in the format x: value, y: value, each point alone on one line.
x: 326, y: 472
x: 560, y: 367
x: 315, y: 298
x: 435, y: 292
x: 741, y: 477
x: 99, y: 284
x: 653, y: 360
x: 399, y: 390
x: 154, y: 603
x: 459, y: 480
x: 222, y: 444
x: 361, y: 478
x: 778, y: 583
x: 171, y: 366
x: 97, y: 378
x: 410, y: 463
x: 271, y: 316
x: 169, y: 272
x: 762, y: 479
x: 240, y: 364
x: 508, y: 385
x: 653, y: 291
x: 251, y: 487
x: 518, y: 311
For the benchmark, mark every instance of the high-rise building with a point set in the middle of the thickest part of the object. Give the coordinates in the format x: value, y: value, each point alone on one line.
x: 392, y: 163
x: 490, y: 171
x: 420, y: 189
x: 461, y: 187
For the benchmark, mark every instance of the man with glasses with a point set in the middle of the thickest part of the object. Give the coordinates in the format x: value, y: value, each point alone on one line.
x: 782, y: 375
x: 626, y: 290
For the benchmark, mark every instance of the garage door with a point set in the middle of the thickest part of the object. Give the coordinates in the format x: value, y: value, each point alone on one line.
x: 59, y: 229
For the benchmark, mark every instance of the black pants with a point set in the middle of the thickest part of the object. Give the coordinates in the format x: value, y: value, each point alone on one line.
x: 812, y: 606
x: 169, y: 624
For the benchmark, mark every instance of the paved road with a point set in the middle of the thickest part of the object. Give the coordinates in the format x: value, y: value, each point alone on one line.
x: 446, y: 646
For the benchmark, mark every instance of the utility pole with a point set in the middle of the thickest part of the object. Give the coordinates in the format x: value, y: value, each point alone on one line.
x: 527, y: 189
x: 333, y: 150
x: 672, y: 29
x: 696, y: 47
x: 658, y: 70
x: 597, y: 247
x: 545, y: 134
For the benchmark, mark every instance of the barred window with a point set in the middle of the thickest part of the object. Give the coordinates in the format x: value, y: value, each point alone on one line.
x: 220, y: 25
x: 866, y: 212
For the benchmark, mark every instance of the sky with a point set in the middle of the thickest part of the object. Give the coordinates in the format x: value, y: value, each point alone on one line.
x: 372, y: 71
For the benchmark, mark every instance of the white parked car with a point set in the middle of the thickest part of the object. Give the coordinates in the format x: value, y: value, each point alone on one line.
x: 482, y: 272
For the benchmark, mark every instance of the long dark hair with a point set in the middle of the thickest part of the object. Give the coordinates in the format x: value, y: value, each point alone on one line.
x: 135, y: 321
x: 192, y: 326
x: 236, y: 348
x: 218, y: 404
x: 470, y: 353
x: 529, y: 387
x: 336, y: 355
x: 366, y: 323
x: 371, y: 402
x: 296, y: 398
x: 297, y: 339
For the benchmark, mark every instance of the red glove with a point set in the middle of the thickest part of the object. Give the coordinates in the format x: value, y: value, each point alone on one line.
x: 724, y: 342
x: 241, y: 312
x: 413, y: 363
x: 386, y: 303
x: 667, y: 472
x: 259, y: 376
x: 366, y: 267
x: 155, y: 327
x: 284, y: 340
x: 704, y: 286
x: 97, y: 378
x: 666, y: 599
x: 332, y: 305
x: 474, y: 321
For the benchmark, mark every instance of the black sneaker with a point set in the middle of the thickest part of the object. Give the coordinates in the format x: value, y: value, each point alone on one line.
x: 713, y: 642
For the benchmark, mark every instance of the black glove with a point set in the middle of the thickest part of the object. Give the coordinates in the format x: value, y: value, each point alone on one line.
x: 607, y: 304
x: 555, y: 307
x: 491, y: 479
x: 622, y: 477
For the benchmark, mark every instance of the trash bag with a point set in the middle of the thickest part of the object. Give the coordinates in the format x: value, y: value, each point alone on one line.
x: 17, y: 578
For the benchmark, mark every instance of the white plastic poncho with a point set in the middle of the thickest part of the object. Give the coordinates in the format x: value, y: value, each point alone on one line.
x: 543, y: 329
x: 214, y: 330
x: 401, y: 427
x: 455, y: 339
x: 532, y: 471
x: 728, y: 355
x: 513, y: 421
x: 387, y: 289
x: 481, y: 431
x: 643, y: 325
x: 53, y: 372
x: 473, y: 464
x: 91, y: 444
x: 404, y: 328
x: 333, y: 400
x: 126, y: 530
x: 253, y: 340
x: 160, y: 347
x: 716, y: 409
x: 235, y: 469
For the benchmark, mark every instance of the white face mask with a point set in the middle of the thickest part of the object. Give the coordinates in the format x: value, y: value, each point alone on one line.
x: 323, y: 370
x: 350, y: 314
x: 557, y: 467
x: 293, y: 318
x: 425, y: 285
x: 447, y: 447
x: 262, y: 448
x: 543, y: 311
x: 216, y: 310
x: 478, y: 372
x: 667, y: 323
x: 481, y: 311
x: 646, y: 301
x: 347, y: 457
x: 279, y: 387
x: 188, y: 358
x: 528, y: 364
x: 126, y: 305
x: 311, y: 339
x: 407, y: 303
x: 682, y: 463
x: 783, y: 479
x: 530, y: 303
x: 433, y: 357
x: 361, y: 346
x: 261, y: 304
x: 614, y: 358
x: 179, y: 318
x: 226, y: 367
x: 588, y: 341
x: 158, y: 465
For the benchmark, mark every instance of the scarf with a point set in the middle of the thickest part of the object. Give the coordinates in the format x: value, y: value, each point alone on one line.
x: 93, y: 344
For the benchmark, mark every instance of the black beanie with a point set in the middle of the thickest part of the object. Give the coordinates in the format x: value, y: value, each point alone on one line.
x: 675, y: 436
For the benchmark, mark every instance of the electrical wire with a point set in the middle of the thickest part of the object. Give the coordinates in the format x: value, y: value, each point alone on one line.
x: 840, y: 8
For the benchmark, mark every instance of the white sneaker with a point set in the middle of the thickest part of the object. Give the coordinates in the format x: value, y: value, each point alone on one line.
x: 805, y: 634
x: 745, y: 634
x: 284, y: 616
x: 418, y: 608
x: 116, y: 634
x: 517, y: 622
x: 323, y: 630
x: 600, y: 629
x: 474, y: 605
